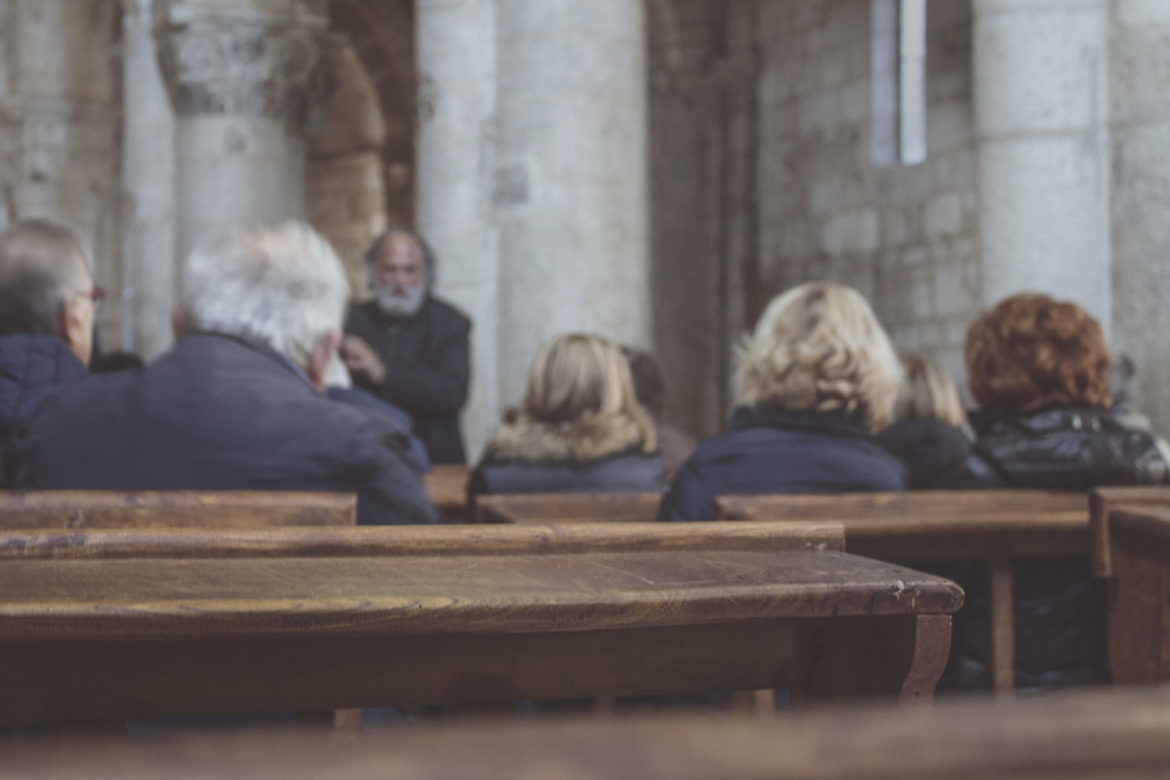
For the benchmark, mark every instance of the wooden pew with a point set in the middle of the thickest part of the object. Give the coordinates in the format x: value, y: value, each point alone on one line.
x: 1101, y: 502
x: 96, y: 509
x: 563, y: 508
x: 447, y: 486
x: 108, y: 625
x: 1135, y: 551
x: 996, y: 527
x: 1117, y: 734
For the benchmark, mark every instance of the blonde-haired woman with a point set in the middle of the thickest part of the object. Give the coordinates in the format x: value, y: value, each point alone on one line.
x: 930, y: 434
x: 812, y: 384
x: 579, y: 429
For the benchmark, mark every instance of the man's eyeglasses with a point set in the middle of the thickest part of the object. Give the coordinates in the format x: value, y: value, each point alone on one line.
x: 97, y: 295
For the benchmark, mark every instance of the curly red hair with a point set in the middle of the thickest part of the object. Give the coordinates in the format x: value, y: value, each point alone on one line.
x: 1032, y: 352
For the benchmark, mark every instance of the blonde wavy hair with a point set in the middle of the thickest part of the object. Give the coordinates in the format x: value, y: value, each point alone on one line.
x: 928, y: 393
x: 578, y: 376
x: 819, y: 347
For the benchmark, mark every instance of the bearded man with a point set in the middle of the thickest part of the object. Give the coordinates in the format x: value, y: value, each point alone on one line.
x: 408, y: 347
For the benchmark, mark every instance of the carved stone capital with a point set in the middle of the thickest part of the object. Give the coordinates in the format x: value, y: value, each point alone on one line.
x: 246, y: 66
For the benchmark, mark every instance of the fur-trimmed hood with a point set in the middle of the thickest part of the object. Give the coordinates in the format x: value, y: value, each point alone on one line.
x: 584, y: 440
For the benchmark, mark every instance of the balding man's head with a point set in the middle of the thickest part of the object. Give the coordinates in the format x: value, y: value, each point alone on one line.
x: 46, y: 284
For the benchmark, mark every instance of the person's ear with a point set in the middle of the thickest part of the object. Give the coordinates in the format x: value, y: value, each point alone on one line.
x: 321, y: 357
x: 77, y: 326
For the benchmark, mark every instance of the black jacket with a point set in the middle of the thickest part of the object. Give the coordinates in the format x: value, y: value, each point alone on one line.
x: 769, y: 450
x: 219, y: 413
x: 1059, y: 607
x: 427, y: 369
x: 31, y: 367
x: 935, y: 453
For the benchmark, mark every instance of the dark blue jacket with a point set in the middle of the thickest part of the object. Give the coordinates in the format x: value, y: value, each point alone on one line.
x: 219, y: 413
x: 770, y: 450
x: 427, y: 369
x: 30, y: 368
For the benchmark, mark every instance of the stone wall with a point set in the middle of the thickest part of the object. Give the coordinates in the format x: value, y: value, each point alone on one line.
x: 59, y: 119
x: 1140, y: 128
x: 903, y: 236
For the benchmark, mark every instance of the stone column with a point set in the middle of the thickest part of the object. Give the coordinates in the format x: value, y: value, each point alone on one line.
x: 148, y: 175
x: 1041, y: 112
x: 243, y: 77
x: 1140, y: 113
x: 569, y: 183
x: 455, y: 45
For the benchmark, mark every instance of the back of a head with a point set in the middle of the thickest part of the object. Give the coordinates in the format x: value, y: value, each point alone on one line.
x: 41, y: 262
x: 928, y: 393
x: 1032, y: 352
x: 819, y: 347
x: 578, y: 375
x: 280, y: 285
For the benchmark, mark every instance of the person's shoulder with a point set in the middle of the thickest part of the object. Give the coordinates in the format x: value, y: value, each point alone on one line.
x: 446, y: 313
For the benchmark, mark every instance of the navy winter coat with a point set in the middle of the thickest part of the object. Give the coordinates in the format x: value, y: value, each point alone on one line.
x: 770, y: 450
x: 31, y: 367
x: 219, y: 413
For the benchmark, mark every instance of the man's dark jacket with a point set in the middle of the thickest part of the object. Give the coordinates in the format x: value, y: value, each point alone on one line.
x: 770, y: 450
x: 427, y: 369
x: 31, y: 367
x: 1059, y: 608
x: 219, y: 413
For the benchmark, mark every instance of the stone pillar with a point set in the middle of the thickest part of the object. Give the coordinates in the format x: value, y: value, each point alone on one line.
x: 569, y: 183
x: 243, y: 78
x: 1041, y: 112
x: 148, y: 175
x: 1140, y: 114
x: 455, y: 45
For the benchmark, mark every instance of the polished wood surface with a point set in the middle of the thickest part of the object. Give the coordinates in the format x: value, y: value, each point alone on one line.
x: 565, y: 508
x: 86, y: 509
x: 1101, y: 502
x: 1138, y: 607
x: 1119, y: 733
x: 116, y: 637
x: 447, y: 486
x: 997, y: 526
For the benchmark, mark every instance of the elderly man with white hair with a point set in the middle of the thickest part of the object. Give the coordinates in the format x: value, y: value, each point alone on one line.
x: 237, y: 404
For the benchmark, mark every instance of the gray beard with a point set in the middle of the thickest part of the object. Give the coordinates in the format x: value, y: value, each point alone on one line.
x: 401, y: 305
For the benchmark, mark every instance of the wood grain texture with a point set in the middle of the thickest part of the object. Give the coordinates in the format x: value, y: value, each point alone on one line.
x: 447, y: 487
x: 95, y: 509
x: 559, y: 508
x: 1102, y: 502
x: 420, y: 540
x: 548, y: 615
x: 1119, y: 733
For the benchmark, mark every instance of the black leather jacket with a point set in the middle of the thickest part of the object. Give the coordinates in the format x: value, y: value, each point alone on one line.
x: 1059, y: 607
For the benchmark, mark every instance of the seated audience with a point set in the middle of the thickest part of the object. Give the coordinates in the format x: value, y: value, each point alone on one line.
x: 237, y: 403
x: 339, y: 387
x: 930, y: 433
x: 47, y: 300
x: 119, y: 360
x: 407, y: 346
x: 674, y: 445
x: 1038, y: 368
x: 579, y: 429
x: 812, y: 384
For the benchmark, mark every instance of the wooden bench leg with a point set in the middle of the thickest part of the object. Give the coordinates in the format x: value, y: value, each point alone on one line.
x: 1001, y: 632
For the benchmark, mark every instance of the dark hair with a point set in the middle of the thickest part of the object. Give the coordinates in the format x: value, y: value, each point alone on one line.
x: 30, y: 302
x: 648, y: 385
x: 1031, y: 352
x: 371, y: 255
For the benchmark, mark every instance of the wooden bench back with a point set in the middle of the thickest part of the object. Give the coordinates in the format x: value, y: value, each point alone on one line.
x: 1118, y: 733
x: 935, y: 523
x: 447, y: 487
x: 418, y: 540
x: 86, y: 509
x: 565, y: 508
x: 1102, y: 502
